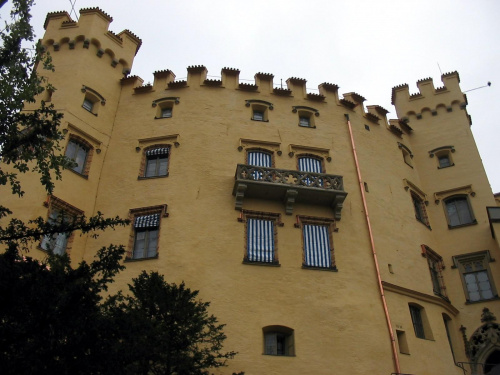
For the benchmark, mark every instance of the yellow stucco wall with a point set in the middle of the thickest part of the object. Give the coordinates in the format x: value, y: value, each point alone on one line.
x: 337, y: 317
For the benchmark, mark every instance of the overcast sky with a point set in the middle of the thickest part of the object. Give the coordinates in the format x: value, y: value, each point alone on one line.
x: 365, y: 46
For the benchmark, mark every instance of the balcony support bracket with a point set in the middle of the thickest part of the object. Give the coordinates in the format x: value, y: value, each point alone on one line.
x: 290, y: 196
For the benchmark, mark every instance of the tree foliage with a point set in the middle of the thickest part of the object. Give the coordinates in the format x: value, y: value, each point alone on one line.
x: 172, y: 333
x: 53, y: 318
x: 29, y: 139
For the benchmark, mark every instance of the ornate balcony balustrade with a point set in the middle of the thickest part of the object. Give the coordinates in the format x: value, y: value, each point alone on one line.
x: 289, y: 186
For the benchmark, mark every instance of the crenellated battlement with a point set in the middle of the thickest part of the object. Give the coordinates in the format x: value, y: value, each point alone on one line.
x: 91, y: 32
x: 262, y: 85
x: 429, y: 98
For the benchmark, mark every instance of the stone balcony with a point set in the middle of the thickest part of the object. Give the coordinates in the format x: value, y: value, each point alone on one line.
x: 288, y: 186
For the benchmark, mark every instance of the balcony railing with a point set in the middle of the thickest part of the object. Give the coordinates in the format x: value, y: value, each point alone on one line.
x: 289, y: 186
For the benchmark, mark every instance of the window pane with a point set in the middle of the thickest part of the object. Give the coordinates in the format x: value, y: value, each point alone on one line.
x: 152, y: 243
x: 270, y: 344
x: 444, y: 161
x: 88, y: 105
x: 81, y: 155
x: 304, y: 121
x: 150, y: 168
x: 163, y: 166
x: 166, y: 112
x: 71, y: 150
x: 258, y: 116
x: 140, y: 242
x: 60, y: 241
x: 463, y: 211
x: 452, y: 213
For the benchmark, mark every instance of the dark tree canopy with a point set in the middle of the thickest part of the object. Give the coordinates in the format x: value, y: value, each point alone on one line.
x: 171, y: 330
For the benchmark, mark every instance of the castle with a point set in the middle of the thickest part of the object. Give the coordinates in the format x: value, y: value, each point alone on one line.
x: 327, y: 238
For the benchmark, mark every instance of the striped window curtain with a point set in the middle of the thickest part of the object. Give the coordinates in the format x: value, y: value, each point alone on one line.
x: 308, y: 164
x: 259, y: 159
x: 317, y: 246
x: 260, y: 240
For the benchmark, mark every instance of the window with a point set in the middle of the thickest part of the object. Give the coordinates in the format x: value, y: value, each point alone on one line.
x: 60, y: 213
x: 91, y: 100
x: 260, y: 240
x: 403, y: 344
x: 419, y: 206
x: 278, y: 340
x: 78, y: 152
x: 407, y: 154
x: 306, y: 115
x: 259, y: 109
x: 476, y: 276
x: 420, y: 322
x: 157, y: 162
x: 146, y: 236
x: 259, y: 158
x: 165, y: 106
x: 436, y: 266
x: 311, y: 164
x: 317, y: 242
x: 260, y: 228
x: 416, y: 318
x: 443, y: 156
x: 449, y: 328
x: 458, y: 211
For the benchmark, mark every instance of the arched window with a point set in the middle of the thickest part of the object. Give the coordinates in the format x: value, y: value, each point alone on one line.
x: 259, y: 158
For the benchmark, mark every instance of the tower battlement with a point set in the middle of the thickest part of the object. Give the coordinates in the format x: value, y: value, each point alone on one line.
x: 92, y: 29
x: 428, y: 96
